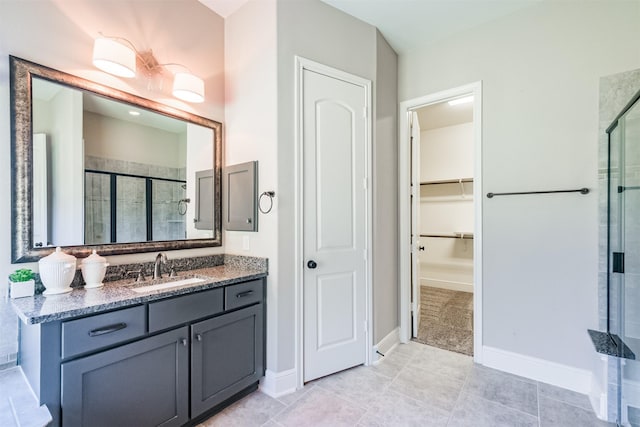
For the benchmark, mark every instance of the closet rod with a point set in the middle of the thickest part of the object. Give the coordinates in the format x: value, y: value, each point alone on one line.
x: 447, y: 181
x: 579, y: 190
x: 449, y: 236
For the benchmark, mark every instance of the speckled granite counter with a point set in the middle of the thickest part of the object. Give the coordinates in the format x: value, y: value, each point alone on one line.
x: 117, y: 294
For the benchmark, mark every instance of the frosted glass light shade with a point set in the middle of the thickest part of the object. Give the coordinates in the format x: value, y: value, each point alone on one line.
x: 114, y: 58
x: 188, y: 87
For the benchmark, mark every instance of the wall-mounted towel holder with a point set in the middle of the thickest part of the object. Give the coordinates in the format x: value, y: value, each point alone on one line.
x: 270, y: 195
x: 579, y: 190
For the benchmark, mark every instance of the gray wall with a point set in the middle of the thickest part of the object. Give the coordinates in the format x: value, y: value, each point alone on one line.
x: 316, y: 31
x: 385, y: 189
x: 540, y: 69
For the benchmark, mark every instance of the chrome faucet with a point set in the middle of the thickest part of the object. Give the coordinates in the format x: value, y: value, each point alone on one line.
x: 157, y: 270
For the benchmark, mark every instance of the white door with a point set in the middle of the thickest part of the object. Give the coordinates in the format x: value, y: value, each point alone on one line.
x: 335, y: 221
x: 416, y: 246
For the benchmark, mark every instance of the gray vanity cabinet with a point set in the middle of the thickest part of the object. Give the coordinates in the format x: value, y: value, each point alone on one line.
x: 227, y: 356
x: 144, y: 383
x: 166, y: 362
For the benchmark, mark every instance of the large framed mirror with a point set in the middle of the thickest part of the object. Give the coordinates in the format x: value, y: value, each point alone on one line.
x: 97, y: 168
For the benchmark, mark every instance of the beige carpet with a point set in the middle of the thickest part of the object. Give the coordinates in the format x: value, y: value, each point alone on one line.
x: 446, y: 319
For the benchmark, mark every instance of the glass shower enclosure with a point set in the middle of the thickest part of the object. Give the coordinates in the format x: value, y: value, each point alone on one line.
x: 623, y: 257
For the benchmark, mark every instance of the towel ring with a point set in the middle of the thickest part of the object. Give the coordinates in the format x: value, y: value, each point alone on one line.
x: 270, y: 195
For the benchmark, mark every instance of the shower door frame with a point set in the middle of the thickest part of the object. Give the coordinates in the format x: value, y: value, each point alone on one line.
x: 621, y: 416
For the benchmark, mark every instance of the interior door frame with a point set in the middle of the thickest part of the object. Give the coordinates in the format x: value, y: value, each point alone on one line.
x: 404, y: 193
x: 302, y: 64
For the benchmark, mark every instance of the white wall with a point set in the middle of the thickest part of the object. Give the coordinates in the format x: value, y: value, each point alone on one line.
x: 540, y: 70
x: 446, y: 153
x: 251, y: 134
x: 63, y: 126
x: 111, y: 138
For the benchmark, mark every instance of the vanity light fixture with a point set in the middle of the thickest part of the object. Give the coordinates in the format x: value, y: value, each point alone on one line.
x: 463, y: 100
x: 118, y: 56
x: 113, y: 57
x: 188, y: 87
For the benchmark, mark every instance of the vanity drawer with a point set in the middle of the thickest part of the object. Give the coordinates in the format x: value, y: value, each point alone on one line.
x: 242, y: 294
x: 102, y: 330
x: 176, y: 311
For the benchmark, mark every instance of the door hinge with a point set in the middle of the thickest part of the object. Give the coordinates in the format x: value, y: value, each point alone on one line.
x: 364, y: 183
x: 618, y: 262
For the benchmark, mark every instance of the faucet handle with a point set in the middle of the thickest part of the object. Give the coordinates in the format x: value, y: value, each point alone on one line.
x: 172, y: 272
x: 141, y: 277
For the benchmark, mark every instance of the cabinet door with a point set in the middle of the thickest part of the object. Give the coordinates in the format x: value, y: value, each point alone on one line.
x: 144, y: 383
x: 227, y: 356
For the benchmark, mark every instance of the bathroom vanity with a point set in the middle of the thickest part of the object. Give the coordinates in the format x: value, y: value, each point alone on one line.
x: 172, y: 356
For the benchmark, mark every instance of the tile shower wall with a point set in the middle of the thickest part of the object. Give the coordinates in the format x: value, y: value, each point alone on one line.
x: 615, y: 92
x: 168, y: 224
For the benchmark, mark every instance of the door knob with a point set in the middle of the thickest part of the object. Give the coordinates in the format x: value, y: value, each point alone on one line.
x: 312, y: 264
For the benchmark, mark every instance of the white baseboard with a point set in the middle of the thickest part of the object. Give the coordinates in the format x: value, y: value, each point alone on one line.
x: 553, y: 373
x: 386, y: 344
x: 447, y: 284
x: 276, y: 384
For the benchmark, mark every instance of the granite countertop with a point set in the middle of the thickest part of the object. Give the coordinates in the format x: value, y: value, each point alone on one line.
x: 118, y: 294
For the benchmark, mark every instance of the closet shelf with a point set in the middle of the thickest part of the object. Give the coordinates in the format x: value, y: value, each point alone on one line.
x: 454, y: 235
x: 447, y: 181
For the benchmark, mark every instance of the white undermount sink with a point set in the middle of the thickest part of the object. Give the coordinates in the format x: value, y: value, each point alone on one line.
x: 167, y: 285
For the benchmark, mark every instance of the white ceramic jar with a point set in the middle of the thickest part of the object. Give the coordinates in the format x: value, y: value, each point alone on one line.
x: 57, y: 271
x: 93, y: 269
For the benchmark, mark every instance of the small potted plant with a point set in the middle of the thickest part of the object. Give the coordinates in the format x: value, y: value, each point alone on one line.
x: 21, y: 283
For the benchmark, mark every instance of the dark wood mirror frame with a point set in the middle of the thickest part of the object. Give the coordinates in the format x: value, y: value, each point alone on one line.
x: 22, y: 248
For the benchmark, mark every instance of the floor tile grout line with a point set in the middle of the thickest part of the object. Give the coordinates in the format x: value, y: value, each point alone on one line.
x: 503, y: 405
x: 464, y: 384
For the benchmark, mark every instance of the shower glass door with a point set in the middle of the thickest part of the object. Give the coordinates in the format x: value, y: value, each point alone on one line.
x: 624, y: 255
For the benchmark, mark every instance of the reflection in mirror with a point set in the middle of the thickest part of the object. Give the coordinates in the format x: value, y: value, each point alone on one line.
x: 127, y: 174
x: 107, y: 171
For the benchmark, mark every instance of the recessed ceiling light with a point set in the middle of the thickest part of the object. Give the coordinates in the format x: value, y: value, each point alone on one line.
x: 458, y: 101
x: 134, y: 113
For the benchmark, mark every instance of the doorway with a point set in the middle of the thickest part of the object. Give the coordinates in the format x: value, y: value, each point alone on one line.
x: 440, y: 227
x: 333, y: 221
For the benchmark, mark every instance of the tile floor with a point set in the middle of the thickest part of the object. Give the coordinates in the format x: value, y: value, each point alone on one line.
x: 416, y: 385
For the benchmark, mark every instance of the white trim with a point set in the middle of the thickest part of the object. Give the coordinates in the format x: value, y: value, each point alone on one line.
x: 386, y: 344
x: 404, y: 182
x: 598, y: 398
x: 553, y: 373
x: 446, y: 284
x: 301, y: 64
x: 276, y: 384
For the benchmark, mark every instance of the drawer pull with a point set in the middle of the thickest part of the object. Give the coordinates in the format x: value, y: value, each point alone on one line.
x: 107, y: 329
x: 244, y: 294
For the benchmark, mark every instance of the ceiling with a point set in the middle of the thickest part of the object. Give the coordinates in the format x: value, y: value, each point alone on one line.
x: 442, y: 114
x: 409, y: 24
